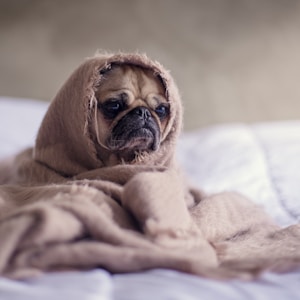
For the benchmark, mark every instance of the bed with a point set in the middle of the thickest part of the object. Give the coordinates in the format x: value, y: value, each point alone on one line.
x: 260, y: 160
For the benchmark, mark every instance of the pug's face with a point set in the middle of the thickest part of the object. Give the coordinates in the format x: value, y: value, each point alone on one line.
x: 133, y: 111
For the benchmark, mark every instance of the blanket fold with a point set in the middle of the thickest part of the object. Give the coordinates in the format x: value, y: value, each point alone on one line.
x: 63, y: 206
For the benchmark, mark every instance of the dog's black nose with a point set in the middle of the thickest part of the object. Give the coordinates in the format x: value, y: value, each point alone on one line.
x: 143, y: 112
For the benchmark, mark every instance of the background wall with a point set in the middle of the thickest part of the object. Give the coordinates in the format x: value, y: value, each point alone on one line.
x: 234, y: 60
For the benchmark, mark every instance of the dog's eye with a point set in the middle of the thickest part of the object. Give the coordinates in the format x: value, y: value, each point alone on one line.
x: 162, y: 111
x: 111, y: 108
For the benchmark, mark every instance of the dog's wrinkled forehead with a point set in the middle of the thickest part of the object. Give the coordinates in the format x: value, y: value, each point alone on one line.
x: 113, y: 66
x: 118, y: 76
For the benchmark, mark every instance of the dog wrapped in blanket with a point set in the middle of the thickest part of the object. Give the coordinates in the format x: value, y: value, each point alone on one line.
x: 101, y: 188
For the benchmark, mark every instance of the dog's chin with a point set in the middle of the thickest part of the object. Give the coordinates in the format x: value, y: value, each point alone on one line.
x: 136, y: 141
x: 142, y: 139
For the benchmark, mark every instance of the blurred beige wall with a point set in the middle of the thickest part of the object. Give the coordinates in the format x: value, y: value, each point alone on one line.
x: 234, y: 60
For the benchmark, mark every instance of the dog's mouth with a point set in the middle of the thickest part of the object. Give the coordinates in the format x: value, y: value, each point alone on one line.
x: 137, y: 139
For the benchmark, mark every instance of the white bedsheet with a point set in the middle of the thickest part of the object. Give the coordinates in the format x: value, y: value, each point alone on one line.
x: 262, y: 161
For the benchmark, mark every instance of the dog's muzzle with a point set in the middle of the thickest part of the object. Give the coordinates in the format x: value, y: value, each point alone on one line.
x: 137, y: 130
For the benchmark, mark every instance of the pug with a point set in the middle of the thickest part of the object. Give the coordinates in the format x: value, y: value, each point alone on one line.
x: 132, y: 113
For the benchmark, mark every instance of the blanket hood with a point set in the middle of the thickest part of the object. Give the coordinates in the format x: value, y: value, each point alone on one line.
x: 64, y: 142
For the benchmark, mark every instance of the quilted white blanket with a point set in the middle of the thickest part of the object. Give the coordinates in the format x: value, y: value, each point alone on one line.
x: 261, y: 161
